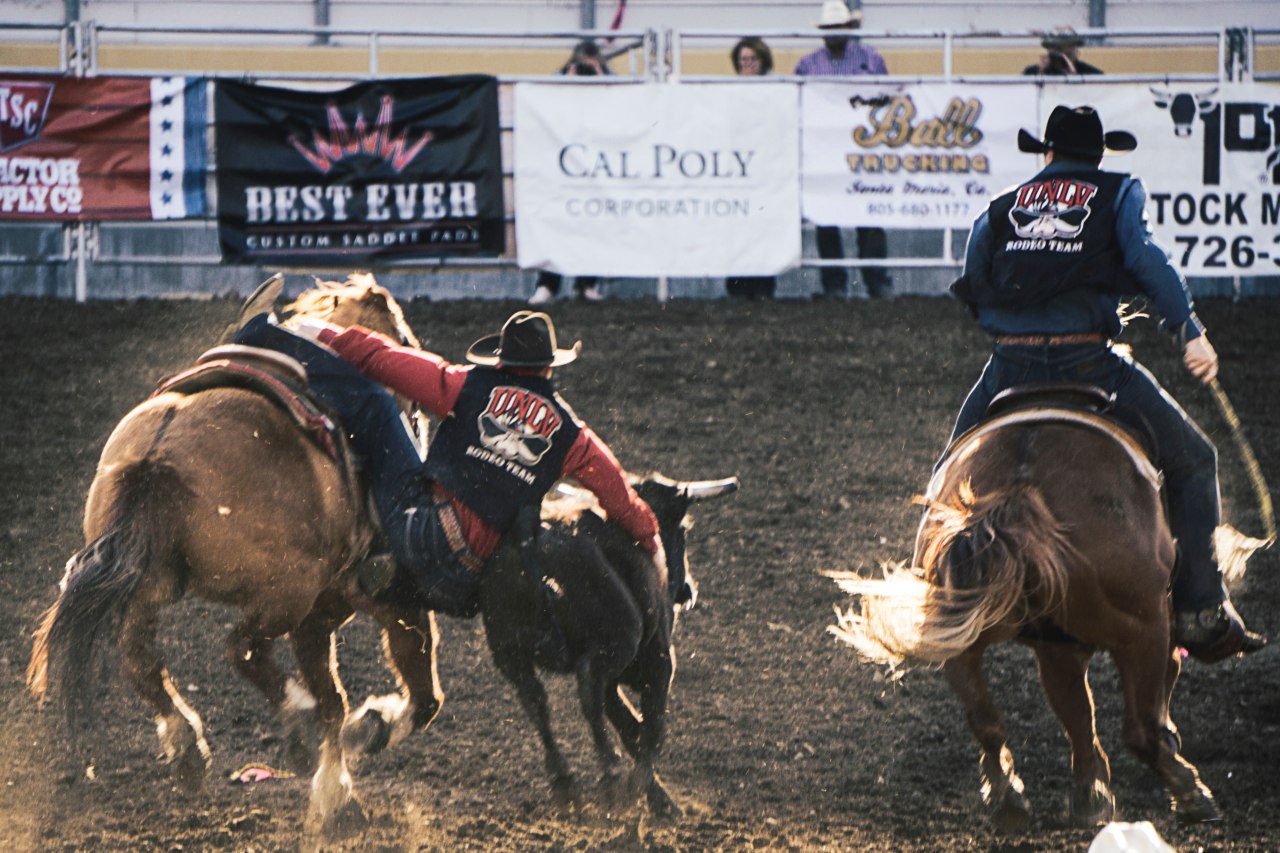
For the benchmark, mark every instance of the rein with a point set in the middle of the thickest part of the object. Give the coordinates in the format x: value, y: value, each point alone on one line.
x: 1250, y: 461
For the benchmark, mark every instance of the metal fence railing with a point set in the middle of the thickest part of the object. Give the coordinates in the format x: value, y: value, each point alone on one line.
x: 649, y: 56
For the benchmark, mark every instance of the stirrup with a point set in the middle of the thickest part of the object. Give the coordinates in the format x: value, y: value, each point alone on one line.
x: 1215, y: 633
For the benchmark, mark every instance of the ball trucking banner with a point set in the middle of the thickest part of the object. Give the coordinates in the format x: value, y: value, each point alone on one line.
x: 389, y: 170
x: 913, y: 157
x: 646, y: 180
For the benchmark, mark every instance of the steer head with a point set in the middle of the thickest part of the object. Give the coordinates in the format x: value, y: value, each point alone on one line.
x: 1183, y: 107
x: 670, y: 501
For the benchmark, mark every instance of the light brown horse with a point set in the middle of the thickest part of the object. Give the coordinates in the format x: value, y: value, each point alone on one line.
x: 219, y: 494
x: 1051, y: 533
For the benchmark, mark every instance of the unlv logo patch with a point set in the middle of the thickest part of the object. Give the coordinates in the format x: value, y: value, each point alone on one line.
x: 518, y: 424
x: 22, y: 110
x: 1052, y: 210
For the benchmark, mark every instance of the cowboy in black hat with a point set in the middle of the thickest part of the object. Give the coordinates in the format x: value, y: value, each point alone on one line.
x: 505, y: 437
x: 1046, y: 269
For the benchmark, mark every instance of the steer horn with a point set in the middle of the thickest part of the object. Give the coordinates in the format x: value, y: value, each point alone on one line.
x: 701, y: 490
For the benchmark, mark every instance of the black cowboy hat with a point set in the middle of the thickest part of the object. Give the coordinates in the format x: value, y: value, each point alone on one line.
x: 1077, y: 132
x: 527, y: 339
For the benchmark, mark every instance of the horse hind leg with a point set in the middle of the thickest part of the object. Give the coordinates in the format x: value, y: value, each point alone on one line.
x: 332, y: 792
x: 250, y: 649
x: 1002, y: 790
x: 1064, y: 675
x: 409, y: 642
x: 1149, y: 734
x: 179, y: 727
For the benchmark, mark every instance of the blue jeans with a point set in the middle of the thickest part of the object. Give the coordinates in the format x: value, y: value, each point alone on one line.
x: 389, y: 462
x: 1181, y: 451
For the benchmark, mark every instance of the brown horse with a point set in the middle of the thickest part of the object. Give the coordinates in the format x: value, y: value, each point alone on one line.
x: 219, y: 494
x: 1048, y: 530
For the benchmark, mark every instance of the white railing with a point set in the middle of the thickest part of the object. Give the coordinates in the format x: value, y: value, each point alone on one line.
x: 652, y: 56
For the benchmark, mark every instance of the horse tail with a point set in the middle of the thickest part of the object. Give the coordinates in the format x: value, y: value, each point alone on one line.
x: 986, y: 561
x: 100, y: 582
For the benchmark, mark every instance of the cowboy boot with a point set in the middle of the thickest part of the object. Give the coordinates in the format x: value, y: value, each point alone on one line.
x: 261, y: 301
x: 1215, y: 633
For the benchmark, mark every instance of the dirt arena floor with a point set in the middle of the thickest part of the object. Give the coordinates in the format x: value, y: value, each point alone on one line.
x: 831, y: 414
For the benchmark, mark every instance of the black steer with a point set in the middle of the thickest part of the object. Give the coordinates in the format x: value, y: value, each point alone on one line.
x: 577, y: 594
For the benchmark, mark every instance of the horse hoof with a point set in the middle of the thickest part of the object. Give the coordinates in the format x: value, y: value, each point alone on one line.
x: 1012, y: 814
x: 564, y: 793
x: 190, y: 769
x: 349, y: 819
x: 661, y: 804
x: 1200, y: 809
x: 1091, y: 807
x: 366, y: 734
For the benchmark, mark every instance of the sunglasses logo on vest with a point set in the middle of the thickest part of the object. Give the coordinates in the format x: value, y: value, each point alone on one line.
x: 518, y: 424
x: 1052, y: 210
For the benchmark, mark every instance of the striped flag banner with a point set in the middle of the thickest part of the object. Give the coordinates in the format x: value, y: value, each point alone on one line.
x: 103, y: 148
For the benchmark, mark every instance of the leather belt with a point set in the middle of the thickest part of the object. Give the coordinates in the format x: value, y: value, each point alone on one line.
x: 453, y: 535
x: 1052, y: 340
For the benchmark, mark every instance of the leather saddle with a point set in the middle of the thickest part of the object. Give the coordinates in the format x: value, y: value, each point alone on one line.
x: 277, y: 377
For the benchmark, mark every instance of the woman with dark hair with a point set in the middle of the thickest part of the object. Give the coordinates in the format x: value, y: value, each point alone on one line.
x: 751, y: 57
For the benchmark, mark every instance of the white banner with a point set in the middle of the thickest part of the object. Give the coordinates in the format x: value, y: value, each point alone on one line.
x: 628, y: 180
x: 1210, y: 158
x: 911, y: 156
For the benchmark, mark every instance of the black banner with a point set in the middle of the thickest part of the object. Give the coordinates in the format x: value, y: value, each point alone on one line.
x: 380, y: 171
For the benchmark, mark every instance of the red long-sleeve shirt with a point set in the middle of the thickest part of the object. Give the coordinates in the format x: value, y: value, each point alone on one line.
x: 434, y: 383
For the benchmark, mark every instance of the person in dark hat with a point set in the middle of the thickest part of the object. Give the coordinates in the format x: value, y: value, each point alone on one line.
x: 505, y: 437
x: 1061, y: 55
x: 1046, y: 269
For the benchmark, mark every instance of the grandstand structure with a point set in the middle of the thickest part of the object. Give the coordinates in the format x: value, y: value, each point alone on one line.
x: 329, y: 42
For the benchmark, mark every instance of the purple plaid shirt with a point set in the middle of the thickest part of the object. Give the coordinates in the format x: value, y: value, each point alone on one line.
x: 858, y: 59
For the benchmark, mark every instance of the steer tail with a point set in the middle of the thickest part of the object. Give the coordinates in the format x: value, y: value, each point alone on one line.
x: 996, y: 559
x: 100, y: 582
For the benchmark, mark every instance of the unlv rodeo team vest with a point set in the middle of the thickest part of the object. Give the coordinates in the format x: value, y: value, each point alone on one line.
x: 503, y: 445
x: 1053, y: 234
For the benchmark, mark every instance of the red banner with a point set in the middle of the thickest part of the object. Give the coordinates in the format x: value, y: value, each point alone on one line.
x: 101, y: 148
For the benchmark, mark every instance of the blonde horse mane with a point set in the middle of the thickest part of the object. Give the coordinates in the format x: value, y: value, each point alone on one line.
x: 920, y: 614
x: 325, y: 298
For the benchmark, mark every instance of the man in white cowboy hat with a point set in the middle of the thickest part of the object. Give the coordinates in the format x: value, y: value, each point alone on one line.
x: 1046, y: 269
x: 505, y: 437
x: 844, y: 56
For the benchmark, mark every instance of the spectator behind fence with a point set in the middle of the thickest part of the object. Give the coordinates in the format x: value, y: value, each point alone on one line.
x: 751, y: 57
x: 585, y: 61
x: 1062, y: 55
x: 843, y: 55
